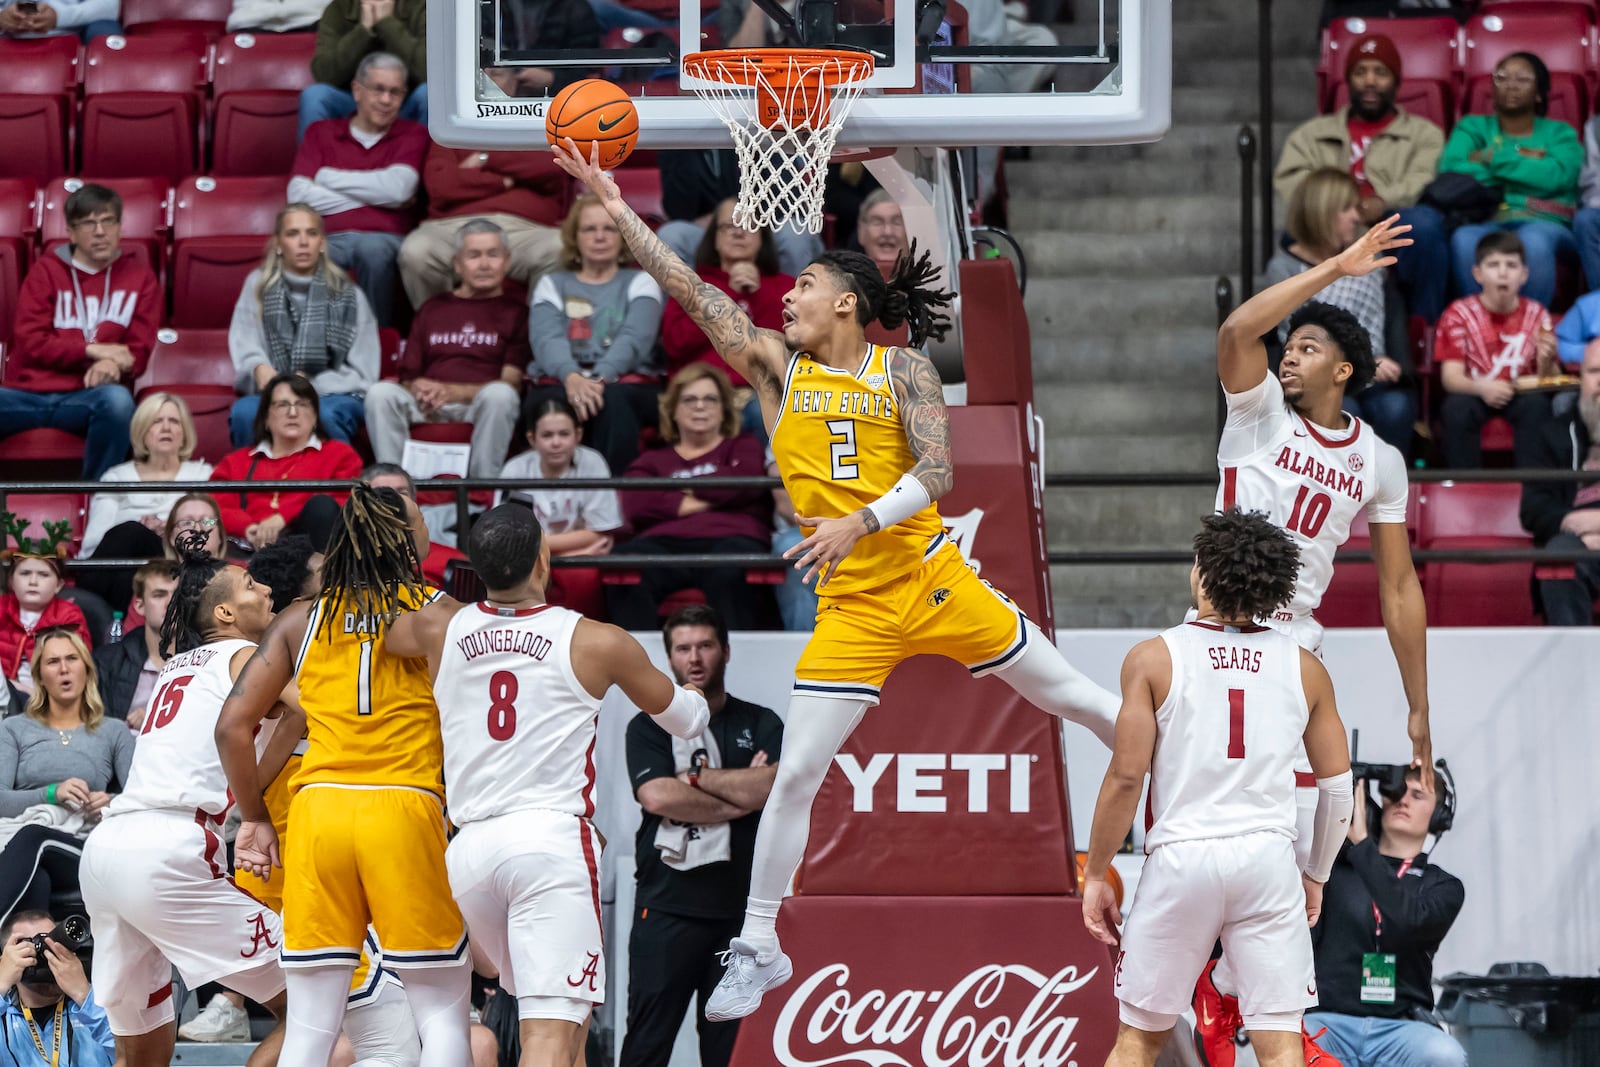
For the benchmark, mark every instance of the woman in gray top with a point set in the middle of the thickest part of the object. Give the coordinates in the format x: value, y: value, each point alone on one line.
x: 60, y: 751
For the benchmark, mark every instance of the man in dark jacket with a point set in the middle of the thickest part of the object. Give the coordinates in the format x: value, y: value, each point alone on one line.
x: 1567, y: 514
x: 1385, y: 911
x: 128, y: 667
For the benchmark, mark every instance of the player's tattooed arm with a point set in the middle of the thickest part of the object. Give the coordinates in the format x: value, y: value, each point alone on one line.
x: 926, y: 420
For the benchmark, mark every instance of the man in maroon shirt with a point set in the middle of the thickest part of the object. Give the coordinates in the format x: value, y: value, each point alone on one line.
x: 521, y: 192
x: 463, y: 361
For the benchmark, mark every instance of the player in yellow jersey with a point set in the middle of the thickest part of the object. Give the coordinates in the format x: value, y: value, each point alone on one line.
x: 862, y: 441
x: 366, y: 818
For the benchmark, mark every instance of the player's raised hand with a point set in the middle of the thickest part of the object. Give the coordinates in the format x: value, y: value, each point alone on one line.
x: 1371, y: 250
x: 1100, y: 912
x: 255, y: 849
x: 1313, y: 899
x: 830, y: 542
x: 587, y: 171
x: 1421, y: 745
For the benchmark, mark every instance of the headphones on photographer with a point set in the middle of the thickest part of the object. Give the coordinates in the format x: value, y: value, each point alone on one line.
x: 1444, y: 804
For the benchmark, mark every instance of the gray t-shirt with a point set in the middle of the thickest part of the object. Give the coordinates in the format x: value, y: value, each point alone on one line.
x: 564, y: 510
x: 33, y: 757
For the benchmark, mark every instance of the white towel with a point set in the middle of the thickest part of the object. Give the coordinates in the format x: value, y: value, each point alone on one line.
x: 51, y: 815
x: 685, y: 846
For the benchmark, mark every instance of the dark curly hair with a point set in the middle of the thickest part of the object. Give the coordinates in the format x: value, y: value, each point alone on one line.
x: 189, y: 614
x: 283, y: 566
x: 909, y: 296
x: 1355, y: 346
x: 1248, y: 567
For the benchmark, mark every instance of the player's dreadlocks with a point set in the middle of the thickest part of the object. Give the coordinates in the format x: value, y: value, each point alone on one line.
x: 909, y: 296
x: 195, y: 600
x: 1248, y: 566
x: 371, y: 569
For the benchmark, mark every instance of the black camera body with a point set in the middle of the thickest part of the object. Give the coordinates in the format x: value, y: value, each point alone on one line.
x: 1390, y: 780
x: 71, y: 933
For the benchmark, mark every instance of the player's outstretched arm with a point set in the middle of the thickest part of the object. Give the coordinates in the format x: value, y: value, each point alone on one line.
x: 1329, y: 755
x: 926, y: 419
x: 758, y: 355
x: 1405, y: 618
x: 420, y: 634
x: 1146, y: 670
x: 604, y: 655
x: 1241, y: 357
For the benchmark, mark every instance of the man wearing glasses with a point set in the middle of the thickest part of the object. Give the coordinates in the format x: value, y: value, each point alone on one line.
x: 86, y: 321
x: 348, y: 31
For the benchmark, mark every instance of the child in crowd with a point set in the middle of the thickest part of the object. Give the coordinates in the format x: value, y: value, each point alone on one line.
x: 1485, y: 342
x: 32, y: 606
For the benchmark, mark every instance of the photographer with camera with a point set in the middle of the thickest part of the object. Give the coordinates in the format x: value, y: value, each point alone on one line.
x: 1385, y: 911
x: 49, y: 1016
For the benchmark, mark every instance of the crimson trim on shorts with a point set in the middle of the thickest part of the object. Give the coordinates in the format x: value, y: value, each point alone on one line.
x: 1217, y: 626
x: 1230, y: 486
x: 202, y: 819
x: 159, y: 996
x: 510, y: 613
x: 1305, y: 779
x: 588, y: 769
x: 584, y: 832
x: 1328, y: 442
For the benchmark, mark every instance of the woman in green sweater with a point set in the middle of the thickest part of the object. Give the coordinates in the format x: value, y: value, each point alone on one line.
x: 1534, y: 161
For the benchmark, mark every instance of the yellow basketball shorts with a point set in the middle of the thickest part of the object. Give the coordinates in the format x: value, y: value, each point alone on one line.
x: 943, y: 608
x: 276, y: 797
x: 368, y: 856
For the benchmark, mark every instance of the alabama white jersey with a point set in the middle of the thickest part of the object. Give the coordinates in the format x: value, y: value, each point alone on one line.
x: 175, y: 762
x: 518, y: 728
x: 1227, y: 736
x: 1309, y: 480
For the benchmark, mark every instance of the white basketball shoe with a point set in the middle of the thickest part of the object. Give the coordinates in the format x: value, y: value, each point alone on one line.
x: 747, y: 977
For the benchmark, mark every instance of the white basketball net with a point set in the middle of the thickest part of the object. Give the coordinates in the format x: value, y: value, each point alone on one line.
x: 783, y: 160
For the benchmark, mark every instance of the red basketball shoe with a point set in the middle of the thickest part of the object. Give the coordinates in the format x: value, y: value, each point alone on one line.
x: 1217, y: 1022
x: 1315, y: 1056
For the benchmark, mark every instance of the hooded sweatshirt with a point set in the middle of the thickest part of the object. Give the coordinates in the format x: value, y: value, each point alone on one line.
x: 64, y: 307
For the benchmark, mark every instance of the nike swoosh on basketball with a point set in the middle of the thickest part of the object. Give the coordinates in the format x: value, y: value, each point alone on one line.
x: 606, y: 126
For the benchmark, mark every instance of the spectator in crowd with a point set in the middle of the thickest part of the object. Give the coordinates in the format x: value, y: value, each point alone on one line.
x: 128, y: 668
x: 744, y: 264
x: 32, y: 606
x: 693, y: 186
x: 86, y: 321
x: 195, y: 511
x: 1566, y: 515
x: 1534, y: 161
x: 87, y: 19
x: 299, y: 313
x: 1322, y: 221
x: 1379, y: 930
x: 439, y: 557
x: 62, y: 752
x: 593, y: 328
x: 58, y: 1004
x: 701, y: 428
x: 1586, y: 223
x: 881, y: 230
x: 464, y: 360
x: 797, y: 601
x: 1579, y: 326
x: 274, y: 16
x: 545, y: 24
x: 701, y: 803
x: 290, y: 444
x: 1484, y: 343
x: 350, y: 29
x: 523, y: 193
x: 576, y: 522
x: 361, y: 174
x: 127, y: 523
x: 1392, y: 155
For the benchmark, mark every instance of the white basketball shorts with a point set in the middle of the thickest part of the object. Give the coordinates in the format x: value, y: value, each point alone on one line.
x: 528, y: 884
x: 159, y: 896
x: 1246, y: 890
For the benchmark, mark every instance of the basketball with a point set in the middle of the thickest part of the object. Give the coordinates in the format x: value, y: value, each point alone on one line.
x: 594, y: 110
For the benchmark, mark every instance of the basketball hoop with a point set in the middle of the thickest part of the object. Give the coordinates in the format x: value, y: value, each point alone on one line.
x: 801, y: 99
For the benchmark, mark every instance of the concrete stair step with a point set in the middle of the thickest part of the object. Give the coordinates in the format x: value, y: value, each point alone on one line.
x: 1173, y: 215
x: 1291, y: 74
x: 220, y: 1054
x: 1067, y: 450
x: 1108, y: 174
x: 1126, y: 517
x: 1059, y: 307
x: 1236, y: 103
x: 1133, y: 254
x: 1181, y: 146
x: 1115, y: 595
x: 1120, y: 353
x: 1075, y: 409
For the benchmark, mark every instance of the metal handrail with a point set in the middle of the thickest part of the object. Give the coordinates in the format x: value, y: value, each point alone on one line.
x: 1264, y: 105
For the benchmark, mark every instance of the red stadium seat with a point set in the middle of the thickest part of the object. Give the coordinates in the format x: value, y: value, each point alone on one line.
x: 1352, y: 595
x: 1563, y: 39
x: 256, y: 79
x: 1430, y: 48
x: 54, y: 447
x: 143, y: 99
x: 220, y: 228
x: 36, y: 106
x: 141, y: 17
x: 19, y: 220
x: 146, y: 216
x: 40, y: 508
x: 195, y: 365
x: 1475, y: 515
x: 641, y: 188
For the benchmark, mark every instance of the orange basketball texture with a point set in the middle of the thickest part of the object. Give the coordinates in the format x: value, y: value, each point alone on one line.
x: 594, y: 111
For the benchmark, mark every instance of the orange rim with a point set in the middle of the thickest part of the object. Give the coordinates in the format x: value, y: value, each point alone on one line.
x: 739, y: 66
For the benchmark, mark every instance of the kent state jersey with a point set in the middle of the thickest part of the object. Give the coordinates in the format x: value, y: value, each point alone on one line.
x: 840, y: 444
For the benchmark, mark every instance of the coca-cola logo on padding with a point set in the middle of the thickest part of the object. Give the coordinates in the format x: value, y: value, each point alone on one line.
x: 1007, y: 1014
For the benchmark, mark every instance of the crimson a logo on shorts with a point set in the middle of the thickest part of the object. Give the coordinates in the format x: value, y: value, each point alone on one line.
x: 1355, y: 461
x: 590, y: 975
x: 260, y: 936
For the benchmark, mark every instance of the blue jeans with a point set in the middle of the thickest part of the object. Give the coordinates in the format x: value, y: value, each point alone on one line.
x: 612, y: 15
x: 323, y: 101
x: 99, y: 28
x: 1361, y: 1041
x: 1391, y: 409
x: 99, y: 415
x: 1543, y: 242
x: 342, y: 413
x: 374, y: 258
x: 1586, y: 230
x: 797, y: 602
x: 1423, y: 266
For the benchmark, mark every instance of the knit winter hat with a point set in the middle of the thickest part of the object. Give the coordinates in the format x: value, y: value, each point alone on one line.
x: 1374, y: 46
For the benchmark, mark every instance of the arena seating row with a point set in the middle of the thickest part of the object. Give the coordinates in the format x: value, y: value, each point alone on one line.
x: 1449, y: 67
